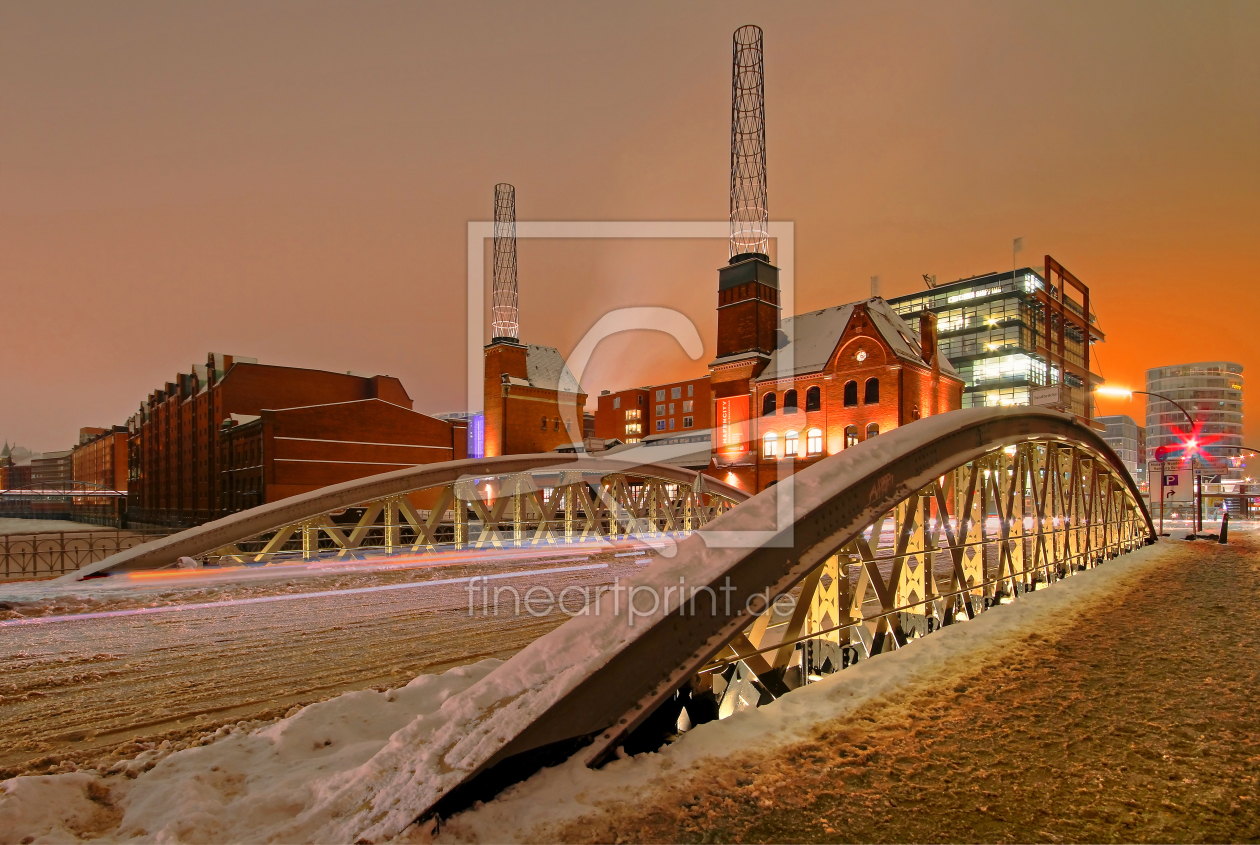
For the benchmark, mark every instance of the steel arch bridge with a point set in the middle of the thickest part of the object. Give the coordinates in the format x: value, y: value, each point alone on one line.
x: 519, y: 501
x: 860, y: 554
x: 917, y: 529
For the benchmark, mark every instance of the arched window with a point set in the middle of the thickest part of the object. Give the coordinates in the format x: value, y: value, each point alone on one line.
x: 850, y: 394
x: 813, y: 399
x: 791, y: 445
x: 850, y: 433
x: 769, y: 405
x: 557, y: 424
x: 789, y: 402
x: 872, y: 392
x: 770, y: 445
x: 872, y: 430
x: 544, y: 425
x: 813, y: 441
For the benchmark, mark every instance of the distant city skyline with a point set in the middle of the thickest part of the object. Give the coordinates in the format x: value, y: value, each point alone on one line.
x: 294, y: 183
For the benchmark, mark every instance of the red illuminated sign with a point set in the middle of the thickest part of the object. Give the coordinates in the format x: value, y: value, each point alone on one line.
x: 732, y: 426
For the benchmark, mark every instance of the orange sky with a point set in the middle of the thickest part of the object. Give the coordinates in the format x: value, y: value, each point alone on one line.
x: 293, y: 181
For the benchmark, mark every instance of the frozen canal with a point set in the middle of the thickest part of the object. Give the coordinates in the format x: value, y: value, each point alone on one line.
x: 83, y: 676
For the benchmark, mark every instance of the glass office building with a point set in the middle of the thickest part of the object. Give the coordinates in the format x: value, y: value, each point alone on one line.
x: 1212, y: 392
x: 994, y: 329
x: 1128, y: 440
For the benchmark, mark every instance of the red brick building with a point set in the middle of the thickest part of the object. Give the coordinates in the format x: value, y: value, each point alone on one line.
x: 532, y: 402
x: 175, y: 466
x: 280, y: 453
x: 847, y: 374
x: 625, y: 415
x: 100, y: 458
x: 630, y: 415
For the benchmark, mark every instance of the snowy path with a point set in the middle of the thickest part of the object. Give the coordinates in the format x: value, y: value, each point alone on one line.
x: 75, y: 688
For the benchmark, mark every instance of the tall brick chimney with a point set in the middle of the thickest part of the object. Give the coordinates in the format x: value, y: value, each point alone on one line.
x: 927, y: 340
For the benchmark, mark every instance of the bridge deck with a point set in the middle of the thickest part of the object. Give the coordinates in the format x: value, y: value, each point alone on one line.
x: 1135, y: 720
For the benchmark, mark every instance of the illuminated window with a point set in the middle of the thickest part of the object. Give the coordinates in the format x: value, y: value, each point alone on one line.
x: 813, y: 399
x: 872, y: 392
x: 634, y: 440
x: 789, y: 402
x: 770, y: 445
x: 791, y: 444
x: 850, y: 394
x: 769, y: 405
x: 634, y: 414
x: 813, y: 441
x: 872, y: 430
x: 850, y: 434
x: 634, y: 428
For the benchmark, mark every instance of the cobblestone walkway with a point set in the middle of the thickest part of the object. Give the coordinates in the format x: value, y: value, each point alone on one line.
x: 1139, y: 723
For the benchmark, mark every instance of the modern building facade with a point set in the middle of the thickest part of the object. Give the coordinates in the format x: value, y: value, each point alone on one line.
x: 1007, y: 333
x: 1212, y: 392
x: 178, y: 474
x: 1128, y: 440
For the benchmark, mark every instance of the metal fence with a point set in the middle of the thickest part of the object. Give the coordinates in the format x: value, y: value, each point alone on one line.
x: 47, y: 554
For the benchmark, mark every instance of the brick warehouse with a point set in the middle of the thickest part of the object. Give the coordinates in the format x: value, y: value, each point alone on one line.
x: 630, y: 415
x: 856, y: 370
x: 532, y: 402
x: 177, y: 475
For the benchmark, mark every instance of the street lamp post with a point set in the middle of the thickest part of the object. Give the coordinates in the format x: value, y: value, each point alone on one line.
x: 1123, y: 392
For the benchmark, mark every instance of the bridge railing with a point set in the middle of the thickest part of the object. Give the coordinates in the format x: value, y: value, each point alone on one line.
x: 44, y: 554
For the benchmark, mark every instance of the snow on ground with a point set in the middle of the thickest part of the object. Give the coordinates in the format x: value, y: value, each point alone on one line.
x: 248, y: 786
x: 282, y: 782
x: 569, y: 791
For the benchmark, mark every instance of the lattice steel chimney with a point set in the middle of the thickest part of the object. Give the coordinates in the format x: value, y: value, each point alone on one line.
x: 748, y: 286
x: 749, y: 217
x: 504, y: 310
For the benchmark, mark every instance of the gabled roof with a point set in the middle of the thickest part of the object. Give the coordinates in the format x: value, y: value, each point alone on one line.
x: 546, y: 368
x: 816, y: 334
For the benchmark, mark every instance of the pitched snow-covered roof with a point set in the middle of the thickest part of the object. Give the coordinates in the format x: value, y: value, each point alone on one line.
x: 546, y: 368
x: 816, y: 334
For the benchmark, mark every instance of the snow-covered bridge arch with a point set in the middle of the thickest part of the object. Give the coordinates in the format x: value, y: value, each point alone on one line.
x: 974, y: 507
x: 476, y: 503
